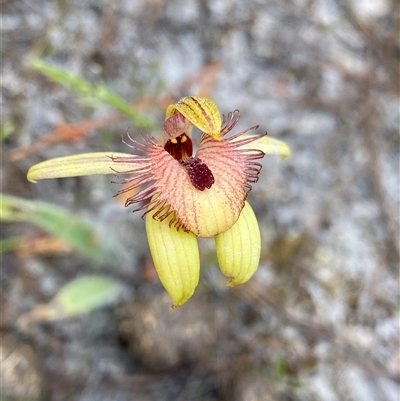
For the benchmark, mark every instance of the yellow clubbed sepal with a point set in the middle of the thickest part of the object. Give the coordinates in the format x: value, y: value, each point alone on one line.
x: 176, y: 258
x: 80, y: 165
x: 269, y: 145
x: 202, y: 112
x: 239, y: 248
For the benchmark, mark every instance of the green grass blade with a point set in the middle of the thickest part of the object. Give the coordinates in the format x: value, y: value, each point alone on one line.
x: 59, y: 222
x: 86, y: 293
x: 79, y: 296
x: 10, y: 244
x: 93, y: 93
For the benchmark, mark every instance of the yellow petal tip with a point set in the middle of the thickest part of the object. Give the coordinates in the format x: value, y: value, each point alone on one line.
x: 177, y: 305
x: 234, y: 281
x: 269, y: 145
x: 285, y: 151
x: 30, y: 176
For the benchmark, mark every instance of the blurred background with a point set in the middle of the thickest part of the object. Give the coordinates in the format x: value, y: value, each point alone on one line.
x: 83, y: 316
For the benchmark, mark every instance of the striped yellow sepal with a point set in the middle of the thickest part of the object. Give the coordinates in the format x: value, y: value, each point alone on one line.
x: 238, y: 249
x: 176, y: 258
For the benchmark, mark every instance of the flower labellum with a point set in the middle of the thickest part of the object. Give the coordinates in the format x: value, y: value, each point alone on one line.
x: 204, y: 192
x: 186, y: 194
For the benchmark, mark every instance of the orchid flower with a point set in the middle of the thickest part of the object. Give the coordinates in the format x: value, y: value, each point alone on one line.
x: 186, y: 195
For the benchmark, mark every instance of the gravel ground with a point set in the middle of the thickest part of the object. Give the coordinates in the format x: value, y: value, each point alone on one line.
x: 320, y: 319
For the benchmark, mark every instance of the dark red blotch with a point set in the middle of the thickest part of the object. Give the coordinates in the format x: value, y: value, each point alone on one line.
x: 200, y: 175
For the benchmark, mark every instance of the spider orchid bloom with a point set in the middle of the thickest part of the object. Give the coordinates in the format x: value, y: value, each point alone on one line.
x: 187, y: 195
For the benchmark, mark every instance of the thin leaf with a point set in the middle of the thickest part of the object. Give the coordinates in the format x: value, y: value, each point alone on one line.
x: 79, y: 234
x: 93, y: 93
x: 84, y: 294
x: 6, y: 130
x: 79, y: 165
x: 77, y: 297
x: 10, y: 244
